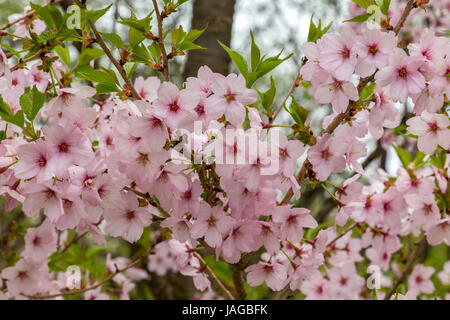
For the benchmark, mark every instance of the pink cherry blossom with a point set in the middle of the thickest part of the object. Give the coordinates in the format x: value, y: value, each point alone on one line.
x: 326, y: 157
x: 402, y: 75
x: 338, y: 54
x: 126, y: 219
x: 419, y: 279
x: 212, y: 224
x: 230, y: 96
x: 34, y: 161
x: 292, y: 221
x: 273, y: 274
x: 175, y: 106
x: 337, y: 92
x: 432, y: 129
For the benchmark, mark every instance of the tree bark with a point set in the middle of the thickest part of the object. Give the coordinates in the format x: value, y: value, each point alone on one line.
x: 217, y: 15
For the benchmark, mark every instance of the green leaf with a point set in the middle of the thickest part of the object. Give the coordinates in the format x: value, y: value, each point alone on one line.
x: 31, y: 102
x: 188, y: 45
x: 142, y: 25
x: 155, y: 49
x: 135, y: 37
x: 7, y: 115
x: 141, y: 53
x: 269, y: 96
x: 178, y: 35
x: 89, y: 54
x: 44, y: 14
x: 265, y: 66
x: 103, y: 88
x: 114, y: 38
x: 94, y: 15
x: 404, y: 156
x: 363, y: 3
x: 255, y: 54
x: 367, y: 91
x: 194, y: 34
x: 93, y: 251
x: 238, y: 60
x: 383, y: 5
x: 400, y: 129
x: 298, y: 113
x: 316, y: 32
x: 360, y: 18
x: 107, y: 82
x: 419, y: 160
x: 312, y: 30
x: 63, y: 53
x: 130, y: 68
x: 438, y: 160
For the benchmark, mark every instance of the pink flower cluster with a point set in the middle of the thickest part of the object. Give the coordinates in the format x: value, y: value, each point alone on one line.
x: 112, y: 168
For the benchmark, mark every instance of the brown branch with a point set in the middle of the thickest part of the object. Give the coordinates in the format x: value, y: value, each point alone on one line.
x: 238, y: 280
x: 149, y: 199
x: 161, y: 42
x: 406, y: 11
x: 79, y: 291
x: 71, y: 242
x: 407, y: 269
x: 341, y: 235
x: 294, y: 85
x: 108, y: 53
x: 213, y: 275
x: 27, y: 16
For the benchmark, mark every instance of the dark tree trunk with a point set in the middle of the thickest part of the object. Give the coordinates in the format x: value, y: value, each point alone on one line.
x: 218, y: 16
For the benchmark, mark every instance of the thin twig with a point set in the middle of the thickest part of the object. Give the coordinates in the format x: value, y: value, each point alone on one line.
x: 108, y: 53
x: 406, y: 11
x: 213, y: 275
x: 25, y: 61
x: 341, y: 235
x: 27, y: 16
x: 149, y: 199
x: 71, y: 242
x: 408, y: 266
x: 238, y: 280
x: 294, y: 85
x: 161, y: 41
x: 79, y: 291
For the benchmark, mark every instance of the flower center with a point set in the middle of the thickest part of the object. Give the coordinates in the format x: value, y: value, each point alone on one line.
x: 37, y: 77
x: 63, y: 147
x: 129, y: 214
x: 345, y: 53
x: 174, y: 107
x: 143, y: 158
x: 433, y: 127
x: 230, y: 97
x: 373, y: 49
x: 337, y: 84
x: 36, y: 241
x: 268, y: 269
x: 212, y: 221
x: 402, y: 73
x: 326, y: 154
x: 200, y: 109
x: 42, y: 162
